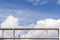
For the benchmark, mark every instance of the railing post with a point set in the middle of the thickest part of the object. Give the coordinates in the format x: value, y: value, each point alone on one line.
x: 2, y: 34
x: 13, y: 34
x: 59, y: 34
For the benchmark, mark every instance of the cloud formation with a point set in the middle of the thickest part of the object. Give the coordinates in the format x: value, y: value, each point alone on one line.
x: 12, y: 22
x: 46, y: 23
x: 51, y: 23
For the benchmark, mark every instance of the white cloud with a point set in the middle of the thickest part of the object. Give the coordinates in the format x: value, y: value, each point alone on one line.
x: 12, y: 22
x: 49, y: 23
x: 38, y: 2
x: 46, y: 23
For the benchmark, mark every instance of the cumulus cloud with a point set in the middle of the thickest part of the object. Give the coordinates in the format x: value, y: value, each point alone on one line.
x: 12, y: 22
x: 46, y: 23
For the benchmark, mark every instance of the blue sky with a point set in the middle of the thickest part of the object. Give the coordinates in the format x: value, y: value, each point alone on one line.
x: 29, y: 11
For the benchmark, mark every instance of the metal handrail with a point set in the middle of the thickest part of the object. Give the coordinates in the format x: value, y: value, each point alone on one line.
x: 29, y: 38
x: 30, y: 29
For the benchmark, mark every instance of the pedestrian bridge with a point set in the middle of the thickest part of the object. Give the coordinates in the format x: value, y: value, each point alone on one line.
x: 37, y: 33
